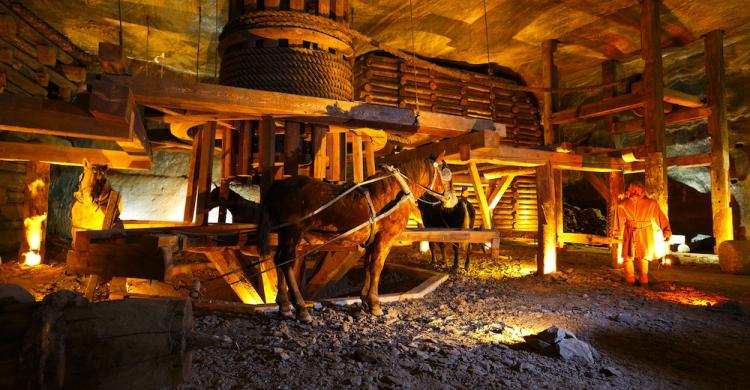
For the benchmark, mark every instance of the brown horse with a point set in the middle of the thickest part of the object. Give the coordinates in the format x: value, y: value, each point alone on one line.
x: 288, y: 203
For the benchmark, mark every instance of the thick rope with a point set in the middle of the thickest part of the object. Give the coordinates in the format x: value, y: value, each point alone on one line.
x: 330, y: 27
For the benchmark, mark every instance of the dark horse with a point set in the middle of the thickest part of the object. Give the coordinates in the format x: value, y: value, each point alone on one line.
x: 437, y: 215
x: 288, y: 201
x: 243, y: 210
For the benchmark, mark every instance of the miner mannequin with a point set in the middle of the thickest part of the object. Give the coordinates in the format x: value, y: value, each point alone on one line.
x: 636, y: 217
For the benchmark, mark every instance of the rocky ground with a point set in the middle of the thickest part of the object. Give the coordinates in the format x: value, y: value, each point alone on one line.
x: 469, y: 334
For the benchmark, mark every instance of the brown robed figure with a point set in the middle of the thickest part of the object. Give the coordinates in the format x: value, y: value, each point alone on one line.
x: 636, y: 217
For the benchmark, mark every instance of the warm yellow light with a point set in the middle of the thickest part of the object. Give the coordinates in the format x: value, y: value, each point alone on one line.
x: 424, y: 246
x: 34, y: 230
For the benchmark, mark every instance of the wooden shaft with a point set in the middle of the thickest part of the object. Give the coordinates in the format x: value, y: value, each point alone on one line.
x: 245, y: 147
x: 267, y: 152
x: 357, y: 159
x: 549, y: 80
x: 547, y: 231
x: 369, y: 158
x: 333, y: 147
x: 203, y: 188
x: 191, y: 193
x: 292, y: 144
x: 717, y: 128
x: 559, y: 223
x: 319, y: 151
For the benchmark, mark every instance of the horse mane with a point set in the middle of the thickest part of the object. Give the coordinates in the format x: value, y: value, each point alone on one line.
x: 415, y: 169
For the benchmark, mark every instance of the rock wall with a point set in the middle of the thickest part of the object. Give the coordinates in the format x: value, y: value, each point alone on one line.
x: 12, y: 175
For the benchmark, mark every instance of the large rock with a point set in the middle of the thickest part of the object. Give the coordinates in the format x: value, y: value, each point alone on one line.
x: 734, y: 257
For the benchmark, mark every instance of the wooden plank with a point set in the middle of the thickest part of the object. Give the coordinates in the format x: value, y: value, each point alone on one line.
x: 268, y: 280
x: 682, y: 99
x: 68, y: 155
x: 604, y: 107
x: 549, y: 80
x: 333, y: 147
x: 46, y: 55
x: 228, y: 261
x: 245, y: 147
x: 113, y: 60
x: 547, y: 231
x: 266, y: 152
x: 319, y: 151
x: 688, y: 161
x: 358, y: 169
x: 51, y: 117
x: 217, y: 98
x: 721, y: 191
x: 674, y: 117
x: 449, y: 235
x: 192, y: 184
x: 205, y: 168
x: 141, y: 257
x: 587, y: 239
x: 599, y: 185
x: 500, y: 190
x: 484, y: 207
x: 334, y: 266
x: 499, y: 173
x: 369, y: 158
x: 112, y: 211
x: 292, y: 148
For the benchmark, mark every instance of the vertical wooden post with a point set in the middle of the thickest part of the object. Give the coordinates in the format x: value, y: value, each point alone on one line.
x: 653, y: 100
x: 292, y: 152
x: 721, y: 193
x: 546, y: 258
x: 557, y: 176
x: 203, y: 188
x: 333, y: 149
x: 369, y: 158
x: 342, y: 155
x: 245, y: 145
x: 227, y: 171
x: 609, y: 74
x: 192, y: 186
x: 267, y: 152
x: 358, y: 169
x: 484, y: 207
x: 549, y: 80
x: 319, y: 151
x: 616, y: 187
x: 35, y: 194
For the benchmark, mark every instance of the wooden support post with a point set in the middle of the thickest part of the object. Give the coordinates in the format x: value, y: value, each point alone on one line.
x: 292, y: 150
x: 497, y: 194
x: 616, y: 187
x: 227, y: 260
x: 342, y: 156
x: 191, y: 193
x: 227, y: 171
x: 267, y: 146
x: 203, y: 188
x: 653, y: 101
x: 245, y: 148
x: 549, y: 80
x: 559, y: 222
x: 333, y: 147
x: 484, y: 207
x: 721, y: 192
x: 369, y: 158
x: 546, y: 258
x: 268, y: 280
x: 319, y: 151
x: 35, y: 194
x: 358, y: 169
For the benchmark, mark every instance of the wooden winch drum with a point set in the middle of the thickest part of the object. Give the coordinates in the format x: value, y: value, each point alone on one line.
x: 295, y: 47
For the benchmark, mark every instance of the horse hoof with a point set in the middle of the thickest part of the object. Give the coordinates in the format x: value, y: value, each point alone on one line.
x: 304, y: 317
x: 286, y: 314
x: 377, y: 311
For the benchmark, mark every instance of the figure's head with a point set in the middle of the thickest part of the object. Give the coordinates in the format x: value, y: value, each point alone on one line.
x: 635, y: 190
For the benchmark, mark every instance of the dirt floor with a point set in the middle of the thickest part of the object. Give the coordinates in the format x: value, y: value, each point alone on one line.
x: 686, y: 331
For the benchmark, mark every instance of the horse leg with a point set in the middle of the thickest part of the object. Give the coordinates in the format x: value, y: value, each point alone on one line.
x: 467, y: 264
x: 380, y: 251
x: 299, y: 302
x: 366, y: 259
x: 455, y: 256
x: 432, y: 251
x: 442, y: 250
x: 282, y: 299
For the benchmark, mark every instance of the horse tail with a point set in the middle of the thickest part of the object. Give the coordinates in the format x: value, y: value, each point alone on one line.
x: 264, y: 229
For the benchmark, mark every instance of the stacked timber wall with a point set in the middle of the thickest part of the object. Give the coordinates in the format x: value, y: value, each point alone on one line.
x: 389, y: 81
x: 516, y: 210
x: 12, y: 176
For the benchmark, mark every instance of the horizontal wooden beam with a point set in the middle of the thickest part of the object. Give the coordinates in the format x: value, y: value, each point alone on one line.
x: 682, y: 99
x: 449, y: 235
x: 674, y: 117
x: 594, y: 110
x: 689, y: 161
x: 68, y: 155
x: 496, y: 173
x: 588, y: 239
x: 212, y: 98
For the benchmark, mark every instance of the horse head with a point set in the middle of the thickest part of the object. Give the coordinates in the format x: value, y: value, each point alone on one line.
x: 92, y: 182
x: 441, y: 183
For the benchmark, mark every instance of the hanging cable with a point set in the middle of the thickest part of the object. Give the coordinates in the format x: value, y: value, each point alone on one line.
x: 414, y: 64
x: 119, y: 16
x: 216, y: 34
x: 198, y: 51
x: 487, y: 36
x: 148, y: 36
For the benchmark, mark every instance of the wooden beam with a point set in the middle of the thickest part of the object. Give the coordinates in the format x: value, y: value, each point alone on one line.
x: 557, y: 176
x: 674, y: 117
x: 616, y: 186
x: 245, y: 147
x: 721, y: 191
x: 205, y: 168
x: 358, y: 169
x: 587, y: 239
x: 333, y: 147
x: 484, y: 207
x: 549, y: 80
x: 319, y: 151
x: 547, y: 231
x: 653, y: 101
x: 498, y: 173
x: 227, y: 261
x: 192, y: 184
x: 292, y: 148
x: 599, y: 185
x: 449, y: 235
x: 500, y: 190
x: 688, y: 161
x: 267, y: 153
x: 113, y: 60
x: 222, y: 99
x: 675, y: 97
x: 68, y: 155
x: 604, y: 107
x: 369, y: 158
x: 331, y: 269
